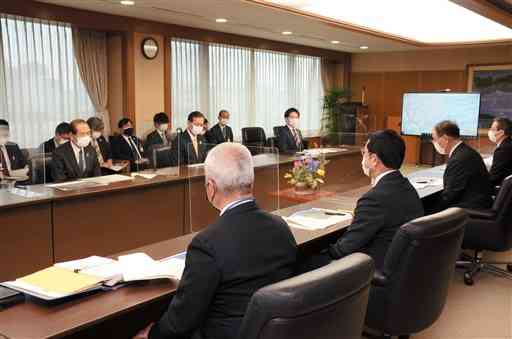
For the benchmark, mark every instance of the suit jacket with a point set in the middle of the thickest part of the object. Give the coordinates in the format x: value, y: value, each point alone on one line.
x: 286, y: 142
x: 65, y: 165
x: 466, y: 181
x: 16, y: 157
x: 501, y: 162
x: 244, y: 250
x: 153, y: 139
x: 106, y: 150
x: 183, y: 147
x: 215, y: 136
x: 379, y: 213
x: 48, y: 146
x: 121, y: 150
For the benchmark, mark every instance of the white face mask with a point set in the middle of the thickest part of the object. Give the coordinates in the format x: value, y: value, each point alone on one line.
x: 493, y: 136
x: 62, y: 141
x: 197, y: 130
x: 294, y: 122
x: 163, y: 127
x: 83, y: 141
x: 96, y: 135
x: 3, y: 140
x: 224, y: 122
x: 365, y: 167
x: 439, y: 149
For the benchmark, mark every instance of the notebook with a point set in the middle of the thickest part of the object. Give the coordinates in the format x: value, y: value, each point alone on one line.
x: 317, y: 218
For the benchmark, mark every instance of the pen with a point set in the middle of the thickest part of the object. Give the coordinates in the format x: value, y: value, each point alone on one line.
x: 334, y: 213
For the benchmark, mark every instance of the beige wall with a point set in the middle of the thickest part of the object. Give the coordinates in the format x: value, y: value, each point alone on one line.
x: 115, y: 80
x: 430, y: 60
x: 149, y: 85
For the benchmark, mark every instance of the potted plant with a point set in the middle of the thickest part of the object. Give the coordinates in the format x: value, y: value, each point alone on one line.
x: 307, y: 174
x: 333, y: 114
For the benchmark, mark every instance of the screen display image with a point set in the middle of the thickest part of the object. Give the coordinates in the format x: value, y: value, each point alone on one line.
x: 422, y: 111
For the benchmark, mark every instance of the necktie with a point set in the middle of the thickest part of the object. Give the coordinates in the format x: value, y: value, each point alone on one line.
x: 81, y: 160
x: 224, y: 132
x: 5, y: 169
x: 164, y: 139
x: 98, y: 152
x: 194, y: 143
x: 296, y: 137
x: 134, y: 149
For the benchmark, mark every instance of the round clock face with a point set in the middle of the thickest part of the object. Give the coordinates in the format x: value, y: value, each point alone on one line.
x: 150, y: 48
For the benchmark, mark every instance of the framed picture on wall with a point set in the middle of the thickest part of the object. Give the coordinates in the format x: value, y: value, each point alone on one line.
x: 494, y: 83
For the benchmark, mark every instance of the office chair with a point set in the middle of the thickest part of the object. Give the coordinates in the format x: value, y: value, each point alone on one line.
x: 254, y: 138
x: 409, y: 294
x: 163, y: 156
x: 489, y: 230
x: 40, y: 169
x: 327, y: 303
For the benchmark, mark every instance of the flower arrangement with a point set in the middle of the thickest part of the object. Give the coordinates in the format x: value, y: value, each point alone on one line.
x: 308, y: 173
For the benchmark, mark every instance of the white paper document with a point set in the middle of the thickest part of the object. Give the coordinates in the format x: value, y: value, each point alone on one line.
x: 140, y: 266
x: 144, y: 175
x: 317, y: 218
x: 108, y: 179
x: 422, y: 182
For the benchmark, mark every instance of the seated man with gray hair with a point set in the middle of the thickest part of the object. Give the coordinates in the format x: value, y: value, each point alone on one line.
x: 245, y: 249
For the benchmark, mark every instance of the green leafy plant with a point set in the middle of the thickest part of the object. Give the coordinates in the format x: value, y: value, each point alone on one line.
x: 333, y: 110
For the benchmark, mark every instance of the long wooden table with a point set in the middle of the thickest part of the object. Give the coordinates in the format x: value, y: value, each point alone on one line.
x: 58, y: 226
x: 121, y: 313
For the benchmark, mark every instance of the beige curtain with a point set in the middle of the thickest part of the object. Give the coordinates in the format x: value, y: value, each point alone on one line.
x: 91, y: 56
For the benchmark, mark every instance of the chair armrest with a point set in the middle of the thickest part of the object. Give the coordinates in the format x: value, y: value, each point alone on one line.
x: 481, y: 214
x: 379, y: 279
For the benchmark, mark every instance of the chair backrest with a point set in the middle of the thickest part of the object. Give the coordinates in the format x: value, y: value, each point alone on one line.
x: 253, y: 136
x: 503, y: 208
x: 40, y: 168
x: 419, y: 266
x: 276, y: 131
x: 327, y: 303
x: 161, y: 156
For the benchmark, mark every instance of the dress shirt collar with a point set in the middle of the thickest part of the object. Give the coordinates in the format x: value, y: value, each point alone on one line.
x: 76, y: 150
x: 454, y: 148
x: 235, y: 203
x: 380, y: 176
x: 192, y: 136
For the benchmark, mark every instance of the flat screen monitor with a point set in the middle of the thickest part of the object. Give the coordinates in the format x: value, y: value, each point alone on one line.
x: 422, y: 111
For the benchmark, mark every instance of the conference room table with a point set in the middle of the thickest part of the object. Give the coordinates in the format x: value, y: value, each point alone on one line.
x: 43, y: 225
x: 122, y: 312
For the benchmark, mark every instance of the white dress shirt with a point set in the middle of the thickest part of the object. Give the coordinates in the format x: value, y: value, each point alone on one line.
x: 6, y: 157
x: 380, y: 176
x: 132, y: 144
x: 454, y: 147
x: 235, y: 203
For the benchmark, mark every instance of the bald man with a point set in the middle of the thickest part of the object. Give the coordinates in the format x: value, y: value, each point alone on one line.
x: 244, y: 250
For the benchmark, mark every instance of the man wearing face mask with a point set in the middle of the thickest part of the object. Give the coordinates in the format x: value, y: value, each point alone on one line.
x: 76, y: 159
x: 100, y: 144
x: 391, y: 202
x: 289, y: 137
x: 62, y: 135
x: 244, y: 250
x: 466, y: 180
x: 221, y: 132
x: 499, y: 133
x: 127, y: 146
x: 190, y: 144
x: 12, y: 161
x: 159, y: 136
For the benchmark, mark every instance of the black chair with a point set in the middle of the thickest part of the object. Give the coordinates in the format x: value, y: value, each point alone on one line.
x: 327, y: 303
x: 410, y: 292
x: 163, y: 156
x: 254, y: 138
x: 40, y: 169
x: 489, y: 230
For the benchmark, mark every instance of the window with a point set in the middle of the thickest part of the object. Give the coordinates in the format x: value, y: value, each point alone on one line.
x: 40, y: 85
x: 256, y: 86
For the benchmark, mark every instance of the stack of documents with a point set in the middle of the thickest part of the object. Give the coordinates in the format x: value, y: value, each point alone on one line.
x: 318, y: 218
x: 90, y: 182
x: 83, y: 275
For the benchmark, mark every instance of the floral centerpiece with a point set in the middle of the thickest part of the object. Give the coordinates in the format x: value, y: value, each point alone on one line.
x: 308, y: 173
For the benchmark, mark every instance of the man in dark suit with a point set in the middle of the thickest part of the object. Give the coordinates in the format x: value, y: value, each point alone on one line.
x: 244, y: 250
x: 159, y: 136
x: 289, y: 137
x: 11, y: 157
x: 127, y: 146
x: 76, y: 159
x: 221, y: 132
x: 499, y: 133
x: 466, y: 179
x: 190, y: 145
x: 101, y: 145
x: 62, y: 135
x: 391, y: 202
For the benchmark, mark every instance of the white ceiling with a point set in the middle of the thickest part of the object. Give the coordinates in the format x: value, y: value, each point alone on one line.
x: 245, y: 19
